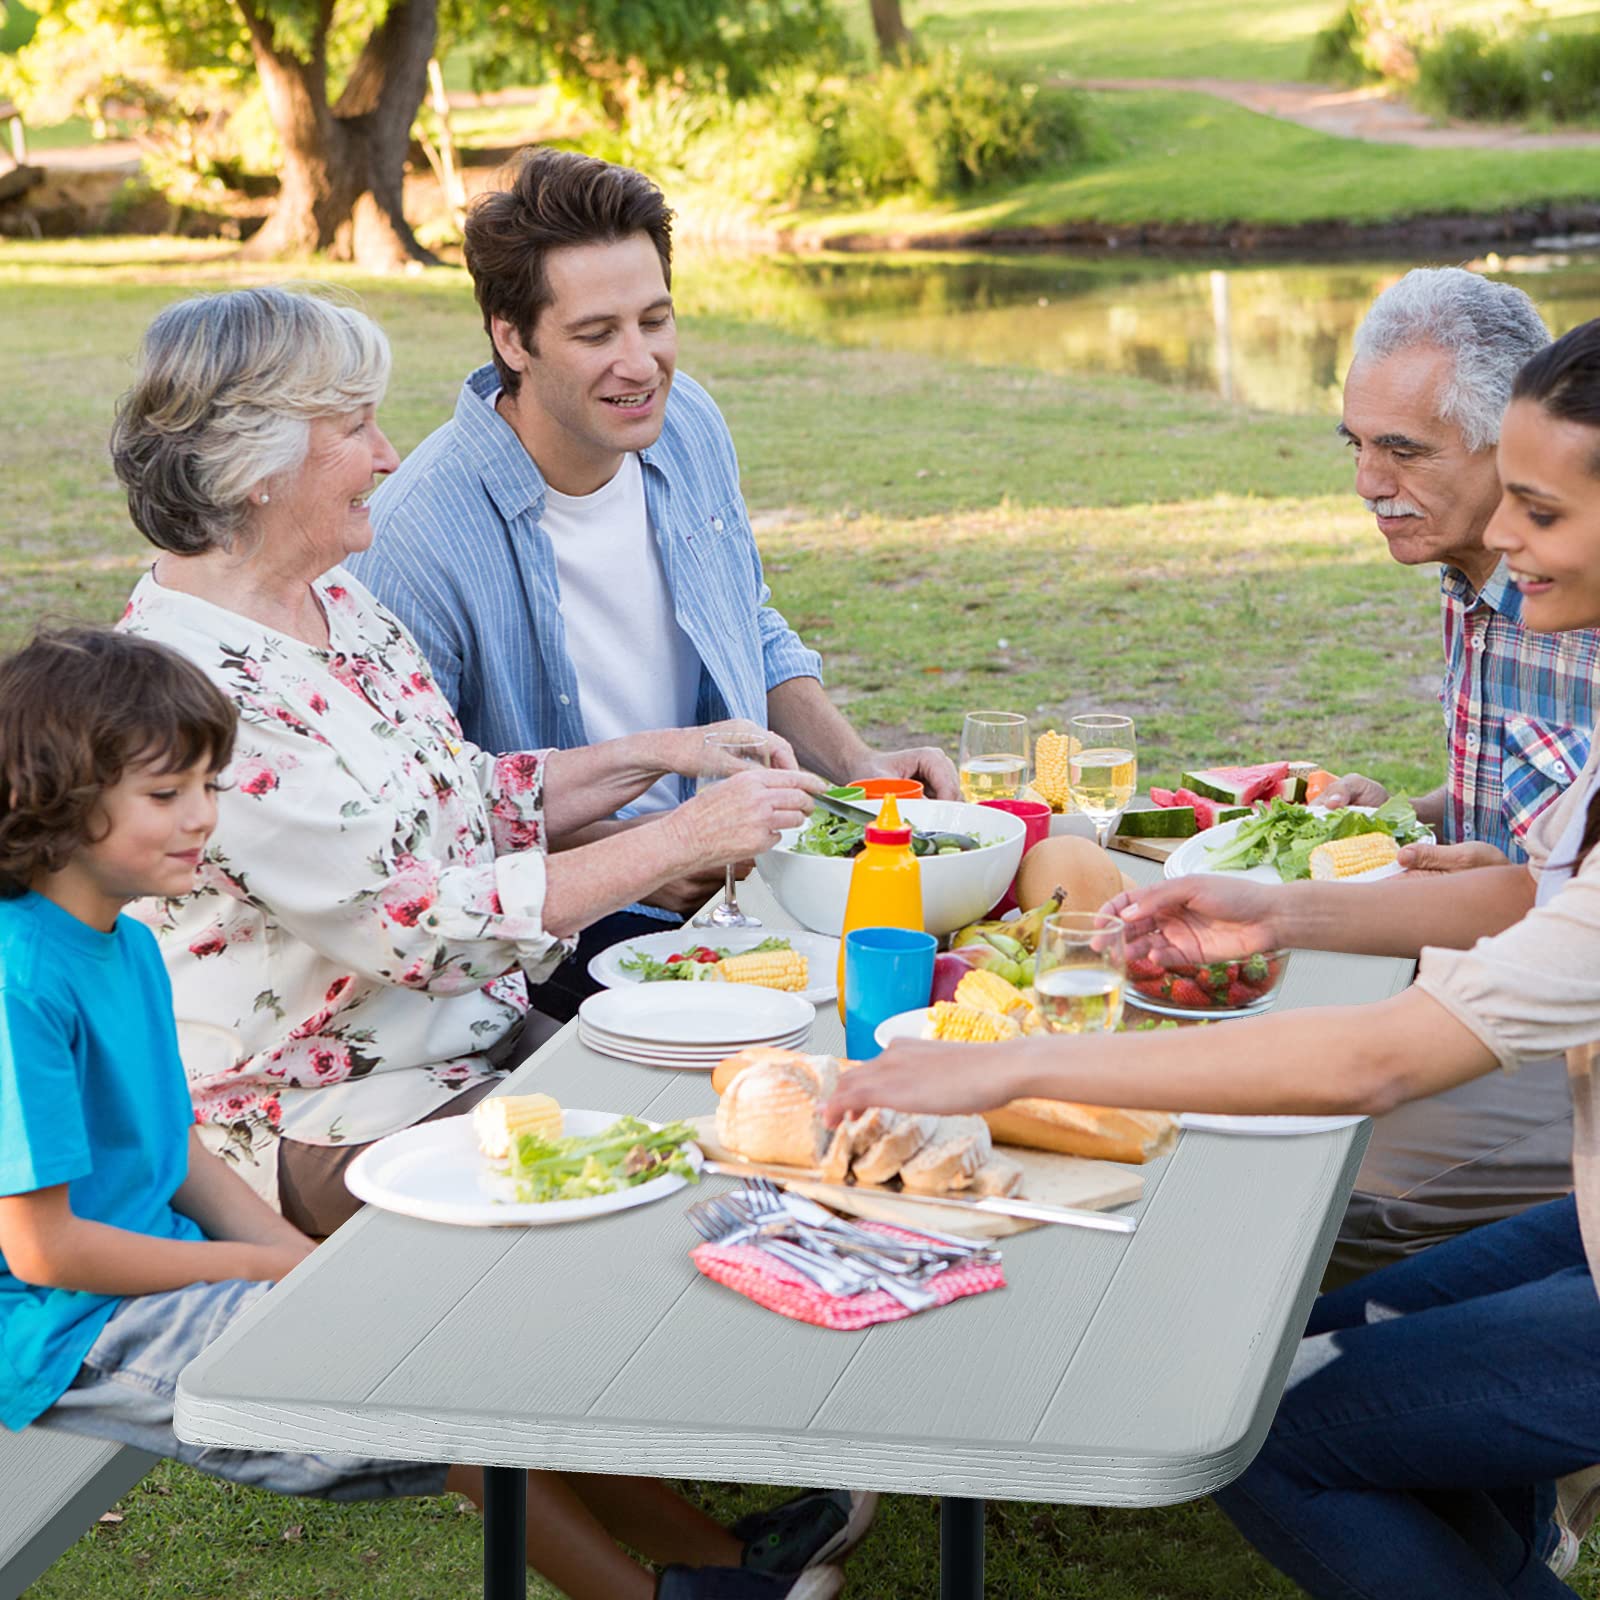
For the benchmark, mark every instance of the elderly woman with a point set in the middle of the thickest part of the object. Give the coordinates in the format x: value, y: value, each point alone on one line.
x: 377, y: 896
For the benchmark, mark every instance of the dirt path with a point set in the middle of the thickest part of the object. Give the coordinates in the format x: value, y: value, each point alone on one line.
x: 1373, y: 113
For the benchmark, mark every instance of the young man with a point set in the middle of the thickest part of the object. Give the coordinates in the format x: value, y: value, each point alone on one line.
x: 572, y: 549
x: 1423, y: 402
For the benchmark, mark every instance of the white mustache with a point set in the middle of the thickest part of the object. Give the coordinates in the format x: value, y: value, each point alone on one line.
x: 1392, y: 508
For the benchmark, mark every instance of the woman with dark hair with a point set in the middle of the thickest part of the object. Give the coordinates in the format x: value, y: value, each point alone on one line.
x: 1433, y: 1404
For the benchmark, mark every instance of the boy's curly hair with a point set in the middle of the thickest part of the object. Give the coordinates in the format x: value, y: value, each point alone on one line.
x: 78, y: 707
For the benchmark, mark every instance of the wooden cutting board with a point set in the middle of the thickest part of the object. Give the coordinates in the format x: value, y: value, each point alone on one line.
x: 1053, y: 1179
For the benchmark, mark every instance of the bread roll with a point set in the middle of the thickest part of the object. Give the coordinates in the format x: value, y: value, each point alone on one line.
x: 1104, y: 1133
x: 771, y: 1109
x: 730, y: 1067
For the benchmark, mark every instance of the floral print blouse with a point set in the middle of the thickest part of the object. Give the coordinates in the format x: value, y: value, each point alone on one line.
x: 367, y: 914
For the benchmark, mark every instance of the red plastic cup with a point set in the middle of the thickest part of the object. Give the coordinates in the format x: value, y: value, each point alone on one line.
x: 1035, y: 816
x: 881, y: 788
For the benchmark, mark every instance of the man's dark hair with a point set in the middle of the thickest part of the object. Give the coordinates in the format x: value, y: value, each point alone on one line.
x: 78, y: 707
x: 556, y: 198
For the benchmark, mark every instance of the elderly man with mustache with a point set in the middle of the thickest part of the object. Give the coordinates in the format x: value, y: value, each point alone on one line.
x: 1423, y: 400
x: 1434, y: 360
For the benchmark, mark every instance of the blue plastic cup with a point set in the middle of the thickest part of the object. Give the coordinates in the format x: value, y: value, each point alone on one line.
x: 886, y: 971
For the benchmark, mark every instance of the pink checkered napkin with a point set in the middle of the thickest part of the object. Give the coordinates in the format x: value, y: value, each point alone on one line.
x: 777, y: 1286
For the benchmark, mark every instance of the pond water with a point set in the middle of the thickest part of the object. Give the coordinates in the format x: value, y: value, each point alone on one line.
x: 1275, y: 336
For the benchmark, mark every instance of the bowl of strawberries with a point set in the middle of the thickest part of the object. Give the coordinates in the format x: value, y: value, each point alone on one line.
x: 1238, y: 988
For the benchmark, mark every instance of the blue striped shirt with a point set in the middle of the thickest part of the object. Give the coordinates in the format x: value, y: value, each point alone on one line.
x: 460, y: 557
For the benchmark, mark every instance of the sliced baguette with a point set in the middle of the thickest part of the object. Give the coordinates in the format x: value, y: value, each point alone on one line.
x: 1103, y: 1133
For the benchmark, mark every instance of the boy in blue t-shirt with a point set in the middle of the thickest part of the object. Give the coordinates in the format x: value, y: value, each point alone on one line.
x: 125, y: 1246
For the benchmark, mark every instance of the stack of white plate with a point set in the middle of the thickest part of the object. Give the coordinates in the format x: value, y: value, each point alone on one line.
x: 692, y: 1026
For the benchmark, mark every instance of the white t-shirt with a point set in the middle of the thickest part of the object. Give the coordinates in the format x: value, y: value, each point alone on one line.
x: 635, y: 666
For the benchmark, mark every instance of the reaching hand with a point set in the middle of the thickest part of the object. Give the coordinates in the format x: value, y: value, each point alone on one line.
x: 1353, y: 790
x: 922, y: 1075
x: 1199, y: 919
x: 927, y: 764
x: 1428, y: 857
x: 741, y: 816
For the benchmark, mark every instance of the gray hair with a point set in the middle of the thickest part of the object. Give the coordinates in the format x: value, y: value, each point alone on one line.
x: 225, y: 390
x: 1488, y: 328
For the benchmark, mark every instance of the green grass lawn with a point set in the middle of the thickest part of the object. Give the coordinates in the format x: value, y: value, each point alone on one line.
x: 950, y: 537
x: 1172, y: 38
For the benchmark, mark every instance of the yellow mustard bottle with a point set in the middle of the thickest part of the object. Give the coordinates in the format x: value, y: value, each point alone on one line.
x: 885, y: 883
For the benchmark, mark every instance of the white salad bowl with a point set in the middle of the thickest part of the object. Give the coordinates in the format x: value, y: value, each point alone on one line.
x: 956, y: 889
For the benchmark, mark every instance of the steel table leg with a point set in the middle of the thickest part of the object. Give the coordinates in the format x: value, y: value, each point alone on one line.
x: 960, y: 1549
x: 505, y: 1533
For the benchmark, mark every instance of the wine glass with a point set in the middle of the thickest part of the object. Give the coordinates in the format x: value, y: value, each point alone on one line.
x: 1080, y: 972
x: 1102, y: 767
x: 994, y: 755
x: 724, y: 755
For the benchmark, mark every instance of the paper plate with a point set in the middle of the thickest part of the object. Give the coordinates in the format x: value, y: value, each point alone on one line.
x: 435, y: 1171
x: 1192, y: 855
x: 696, y: 1013
x: 1262, y: 1127
x: 821, y: 953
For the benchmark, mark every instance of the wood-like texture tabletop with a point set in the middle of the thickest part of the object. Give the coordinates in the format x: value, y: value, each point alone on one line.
x: 1111, y: 1370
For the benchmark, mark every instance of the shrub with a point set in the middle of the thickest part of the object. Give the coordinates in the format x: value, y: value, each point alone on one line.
x: 933, y: 128
x: 1466, y: 73
x: 1565, y: 76
x: 1369, y: 40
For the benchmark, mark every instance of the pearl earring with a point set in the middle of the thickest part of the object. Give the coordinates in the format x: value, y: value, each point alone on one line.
x: 264, y: 498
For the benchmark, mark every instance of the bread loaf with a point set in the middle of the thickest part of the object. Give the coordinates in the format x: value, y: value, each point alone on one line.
x: 1103, y: 1133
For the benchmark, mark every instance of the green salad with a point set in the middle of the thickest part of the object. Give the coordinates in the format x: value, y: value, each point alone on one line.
x: 628, y: 1153
x: 694, y: 963
x: 1284, y: 835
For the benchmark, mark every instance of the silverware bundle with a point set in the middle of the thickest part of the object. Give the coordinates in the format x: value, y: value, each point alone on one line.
x: 836, y: 1255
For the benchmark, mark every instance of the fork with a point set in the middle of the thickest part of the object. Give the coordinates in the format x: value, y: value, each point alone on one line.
x: 766, y: 1198
x: 722, y: 1220
x: 894, y: 1276
x: 717, y: 1223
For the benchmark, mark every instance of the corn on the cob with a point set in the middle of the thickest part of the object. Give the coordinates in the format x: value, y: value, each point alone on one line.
x: 498, y: 1121
x: 772, y: 969
x: 1051, y: 755
x: 1342, y: 858
x: 947, y: 1020
x: 988, y: 991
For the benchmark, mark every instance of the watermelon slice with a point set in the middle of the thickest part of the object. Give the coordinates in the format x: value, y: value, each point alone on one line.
x: 1159, y: 822
x: 1208, y: 813
x: 1238, y: 786
x: 1162, y: 797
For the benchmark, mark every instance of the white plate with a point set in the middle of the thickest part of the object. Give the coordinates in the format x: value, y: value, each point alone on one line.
x: 696, y: 1013
x: 907, y: 1025
x: 1191, y: 856
x: 687, y: 1051
x: 821, y: 953
x: 434, y: 1171
x: 657, y: 1055
x: 1263, y: 1127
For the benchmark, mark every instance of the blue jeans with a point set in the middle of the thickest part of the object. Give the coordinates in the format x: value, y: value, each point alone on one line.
x: 1428, y: 1412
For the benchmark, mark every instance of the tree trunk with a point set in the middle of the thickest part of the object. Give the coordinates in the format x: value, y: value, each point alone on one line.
x: 896, y: 42
x: 341, y: 182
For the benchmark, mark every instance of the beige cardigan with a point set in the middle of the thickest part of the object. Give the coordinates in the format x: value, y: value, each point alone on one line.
x: 1534, y: 990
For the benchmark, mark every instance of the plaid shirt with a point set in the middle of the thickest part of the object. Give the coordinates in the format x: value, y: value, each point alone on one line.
x: 1518, y: 711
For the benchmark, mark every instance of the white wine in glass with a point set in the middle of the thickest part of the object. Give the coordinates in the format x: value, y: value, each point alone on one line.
x: 1081, y: 972
x: 994, y: 756
x: 724, y: 755
x: 1102, y: 767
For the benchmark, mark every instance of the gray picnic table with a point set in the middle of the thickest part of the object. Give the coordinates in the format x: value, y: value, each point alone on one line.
x: 1113, y: 1370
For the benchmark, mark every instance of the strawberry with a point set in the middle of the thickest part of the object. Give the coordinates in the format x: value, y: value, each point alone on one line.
x: 1242, y: 994
x: 1186, y: 992
x: 1144, y: 967
x: 1154, y: 987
